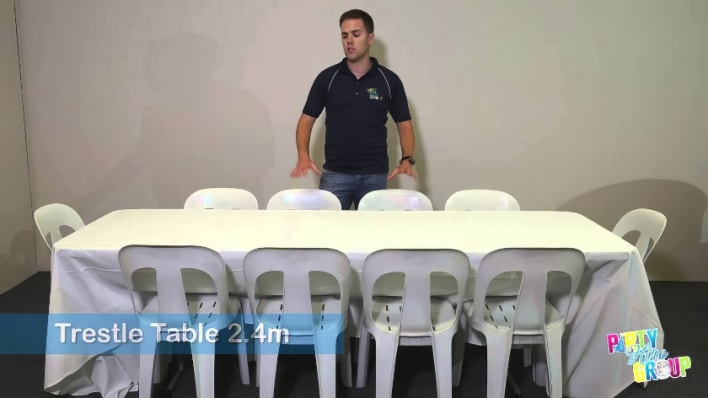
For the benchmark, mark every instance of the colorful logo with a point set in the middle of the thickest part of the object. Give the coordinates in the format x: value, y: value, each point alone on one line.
x: 647, y: 361
x: 373, y: 94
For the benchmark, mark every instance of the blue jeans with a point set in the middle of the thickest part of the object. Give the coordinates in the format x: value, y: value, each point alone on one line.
x: 350, y: 188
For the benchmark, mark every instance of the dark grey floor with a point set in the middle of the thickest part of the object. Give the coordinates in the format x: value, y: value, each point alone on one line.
x: 682, y: 308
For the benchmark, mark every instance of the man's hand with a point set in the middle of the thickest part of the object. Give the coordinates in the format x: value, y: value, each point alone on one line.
x: 403, y: 168
x: 303, y: 166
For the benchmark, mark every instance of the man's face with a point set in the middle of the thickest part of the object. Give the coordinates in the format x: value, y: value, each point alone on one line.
x: 355, y: 40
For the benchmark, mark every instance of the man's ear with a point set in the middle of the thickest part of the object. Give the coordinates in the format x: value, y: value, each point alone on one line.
x: 371, y: 38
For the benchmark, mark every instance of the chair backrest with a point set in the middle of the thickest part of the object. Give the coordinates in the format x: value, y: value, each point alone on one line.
x: 50, y: 218
x: 482, y: 200
x: 649, y: 223
x: 222, y: 198
x: 304, y: 199
x: 172, y: 277
x: 534, y: 265
x: 395, y: 199
x: 420, y: 268
x: 296, y: 265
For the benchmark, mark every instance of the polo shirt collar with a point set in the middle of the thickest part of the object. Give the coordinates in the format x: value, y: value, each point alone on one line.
x: 344, y: 68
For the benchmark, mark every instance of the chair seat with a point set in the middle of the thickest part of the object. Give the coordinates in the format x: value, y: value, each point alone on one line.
x: 386, y: 312
x: 200, y: 308
x: 325, y: 315
x: 499, y: 311
x: 201, y: 304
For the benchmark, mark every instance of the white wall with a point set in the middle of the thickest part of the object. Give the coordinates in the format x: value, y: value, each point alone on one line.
x: 17, y: 244
x: 590, y: 106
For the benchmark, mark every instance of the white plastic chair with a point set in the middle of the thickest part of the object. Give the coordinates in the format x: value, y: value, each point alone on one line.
x: 481, y: 200
x: 304, y: 199
x: 486, y: 200
x: 301, y: 308
x: 189, y: 286
x: 649, y: 223
x: 395, y: 199
x: 229, y: 199
x: 417, y: 318
x: 222, y: 198
x: 50, y: 218
x: 528, y: 318
x: 383, y: 200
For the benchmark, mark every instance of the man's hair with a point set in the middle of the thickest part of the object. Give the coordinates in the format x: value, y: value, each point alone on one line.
x: 359, y: 14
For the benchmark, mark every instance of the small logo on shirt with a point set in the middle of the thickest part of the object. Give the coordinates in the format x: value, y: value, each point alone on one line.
x: 374, y: 94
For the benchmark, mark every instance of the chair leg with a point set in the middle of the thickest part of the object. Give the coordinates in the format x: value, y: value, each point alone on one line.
x: 267, y: 363
x: 362, y: 365
x: 386, y: 350
x: 172, y: 384
x: 345, y: 363
x: 147, y: 367
x: 242, y: 350
x: 145, y: 383
x: 514, y: 385
x: 257, y: 357
x: 528, y: 357
x: 498, y: 349
x: 442, y: 356
x: 554, y: 362
x: 326, y: 358
x: 203, y: 359
x: 458, y: 354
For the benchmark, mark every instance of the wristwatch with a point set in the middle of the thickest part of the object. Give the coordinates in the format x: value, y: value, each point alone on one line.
x: 409, y: 159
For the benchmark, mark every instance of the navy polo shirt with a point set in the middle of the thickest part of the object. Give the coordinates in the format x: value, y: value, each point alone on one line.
x: 356, y: 115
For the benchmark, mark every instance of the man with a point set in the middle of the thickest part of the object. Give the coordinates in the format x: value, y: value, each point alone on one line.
x: 358, y: 94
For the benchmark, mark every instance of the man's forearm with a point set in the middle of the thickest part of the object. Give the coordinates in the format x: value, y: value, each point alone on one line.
x: 302, y: 135
x: 407, y: 138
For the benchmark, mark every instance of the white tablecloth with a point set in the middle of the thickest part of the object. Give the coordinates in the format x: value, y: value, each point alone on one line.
x: 616, y: 295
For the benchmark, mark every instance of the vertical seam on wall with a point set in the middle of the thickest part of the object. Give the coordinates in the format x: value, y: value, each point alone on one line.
x: 24, y: 130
